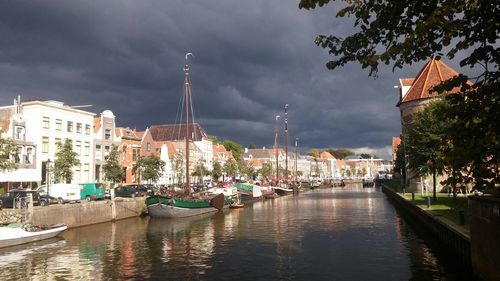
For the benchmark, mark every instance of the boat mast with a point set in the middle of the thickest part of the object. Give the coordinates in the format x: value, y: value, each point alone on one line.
x: 187, y: 100
x: 286, y: 143
x: 276, y: 148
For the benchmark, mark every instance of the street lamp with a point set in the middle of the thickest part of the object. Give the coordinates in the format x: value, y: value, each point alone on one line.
x: 48, y: 176
x: 296, y: 155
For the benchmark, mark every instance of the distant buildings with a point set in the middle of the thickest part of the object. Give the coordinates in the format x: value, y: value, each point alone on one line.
x: 37, y: 127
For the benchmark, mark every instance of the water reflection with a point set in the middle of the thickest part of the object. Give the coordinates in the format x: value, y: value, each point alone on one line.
x: 328, y: 234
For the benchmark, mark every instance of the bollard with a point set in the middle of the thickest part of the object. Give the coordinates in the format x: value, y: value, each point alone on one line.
x: 412, y: 196
x: 461, y: 217
x: 428, y: 202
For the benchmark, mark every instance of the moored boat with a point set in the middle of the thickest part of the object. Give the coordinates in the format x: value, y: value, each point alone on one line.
x: 282, y: 191
x: 188, y: 204
x: 17, y: 234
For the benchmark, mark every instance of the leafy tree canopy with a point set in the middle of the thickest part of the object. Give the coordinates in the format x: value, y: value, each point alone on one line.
x: 8, y: 152
x: 151, y: 167
x: 252, y: 146
x: 235, y: 148
x: 314, y: 153
x: 112, y: 169
x: 66, y: 159
x: 340, y: 153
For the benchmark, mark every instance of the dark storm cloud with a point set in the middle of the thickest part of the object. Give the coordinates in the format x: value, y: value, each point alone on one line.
x: 250, y: 59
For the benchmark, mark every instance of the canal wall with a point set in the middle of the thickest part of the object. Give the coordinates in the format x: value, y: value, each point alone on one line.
x: 485, y: 233
x: 87, y: 213
x: 455, y: 241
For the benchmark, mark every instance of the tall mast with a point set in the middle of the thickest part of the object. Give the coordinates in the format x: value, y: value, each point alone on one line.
x: 187, y: 100
x: 296, y: 154
x: 276, y: 148
x: 286, y: 143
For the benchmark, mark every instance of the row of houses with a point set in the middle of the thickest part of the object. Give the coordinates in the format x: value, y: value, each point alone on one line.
x: 37, y: 126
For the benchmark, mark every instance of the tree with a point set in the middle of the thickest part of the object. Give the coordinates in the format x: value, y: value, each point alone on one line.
x: 66, y: 159
x: 399, y: 163
x: 8, y: 153
x: 151, y: 167
x: 178, y: 165
x: 340, y: 153
x: 314, y: 153
x: 235, y: 148
x: 425, y: 141
x: 112, y: 169
x: 200, y: 171
x: 266, y: 170
x: 231, y: 168
x: 404, y: 32
x: 216, y: 171
x: 252, y: 146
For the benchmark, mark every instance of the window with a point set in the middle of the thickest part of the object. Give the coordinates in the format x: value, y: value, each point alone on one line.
x: 78, y: 147
x: 86, y: 151
x: 107, y: 134
x: 29, y: 155
x: 98, y: 151
x: 45, y: 144
x: 87, y: 129
x: 135, y: 154
x: 58, y: 124
x: 149, y: 147
x: 19, y: 133
x: 70, y: 127
x: 106, y: 149
x: 45, y: 122
x: 78, y: 128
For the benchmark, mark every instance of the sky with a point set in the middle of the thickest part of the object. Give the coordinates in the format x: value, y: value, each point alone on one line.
x: 250, y: 59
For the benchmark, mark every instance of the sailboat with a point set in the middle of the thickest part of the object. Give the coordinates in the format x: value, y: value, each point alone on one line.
x: 279, y: 189
x: 187, y: 204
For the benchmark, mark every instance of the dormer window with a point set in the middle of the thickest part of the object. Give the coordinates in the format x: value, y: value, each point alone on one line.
x: 107, y: 134
x: 19, y: 133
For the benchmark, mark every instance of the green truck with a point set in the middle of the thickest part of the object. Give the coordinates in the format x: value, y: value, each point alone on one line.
x: 92, y: 191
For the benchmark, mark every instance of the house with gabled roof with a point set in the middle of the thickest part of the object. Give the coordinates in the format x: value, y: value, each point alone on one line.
x: 169, y: 139
x: 415, y: 96
x: 130, y: 150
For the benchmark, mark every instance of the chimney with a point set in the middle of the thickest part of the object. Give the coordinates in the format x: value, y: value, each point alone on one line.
x: 246, y: 150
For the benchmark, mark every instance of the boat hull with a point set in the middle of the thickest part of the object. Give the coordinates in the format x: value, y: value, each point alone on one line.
x: 281, y: 191
x: 160, y: 210
x: 10, y: 236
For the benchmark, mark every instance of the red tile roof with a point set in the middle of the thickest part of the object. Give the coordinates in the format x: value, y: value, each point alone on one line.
x: 432, y: 74
x: 177, y: 132
x: 395, y: 143
x: 407, y: 81
x: 326, y: 155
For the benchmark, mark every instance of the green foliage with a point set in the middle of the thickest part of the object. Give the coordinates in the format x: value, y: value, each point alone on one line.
x: 217, y: 170
x: 340, y: 153
x: 235, y: 148
x: 66, y: 159
x: 8, y: 152
x: 245, y: 169
x: 231, y: 168
x: 151, y: 167
x: 399, y: 163
x: 314, y: 153
x: 425, y: 138
x: 366, y: 156
x: 404, y: 32
x: 112, y: 169
x: 200, y: 171
x: 252, y: 146
x: 178, y: 165
x: 214, y: 139
x: 266, y: 170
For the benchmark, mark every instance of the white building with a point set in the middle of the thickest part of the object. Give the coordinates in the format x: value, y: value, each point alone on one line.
x: 104, y: 135
x: 37, y: 126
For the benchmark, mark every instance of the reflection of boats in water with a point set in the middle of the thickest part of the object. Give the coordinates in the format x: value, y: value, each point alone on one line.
x: 17, y: 234
x: 171, y: 226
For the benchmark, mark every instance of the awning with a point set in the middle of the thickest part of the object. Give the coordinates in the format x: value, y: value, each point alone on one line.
x: 21, y: 175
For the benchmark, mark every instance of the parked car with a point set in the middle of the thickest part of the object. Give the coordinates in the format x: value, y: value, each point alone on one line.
x: 19, y: 199
x: 368, y: 182
x: 142, y: 189
x: 63, y: 192
x: 92, y: 191
x: 127, y: 191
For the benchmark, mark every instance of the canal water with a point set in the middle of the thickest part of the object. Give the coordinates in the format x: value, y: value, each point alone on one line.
x: 351, y: 233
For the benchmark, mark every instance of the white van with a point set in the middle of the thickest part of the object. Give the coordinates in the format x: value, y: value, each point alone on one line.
x: 64, y: 192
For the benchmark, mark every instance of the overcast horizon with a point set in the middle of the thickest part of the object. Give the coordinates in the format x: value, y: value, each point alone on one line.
x: 250, y: 59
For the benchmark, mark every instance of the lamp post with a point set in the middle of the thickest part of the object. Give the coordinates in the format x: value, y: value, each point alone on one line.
x: 276, y: 148
x: 286, y: 143
x: 48, y: 176
x: 296, y: 156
